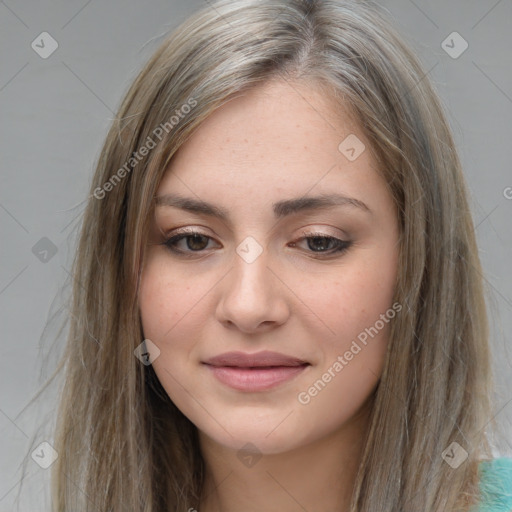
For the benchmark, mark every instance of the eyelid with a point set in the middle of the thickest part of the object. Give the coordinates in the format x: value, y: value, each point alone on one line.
x: 187, y: 230
x: 313, y: 232
x: 194, y: 231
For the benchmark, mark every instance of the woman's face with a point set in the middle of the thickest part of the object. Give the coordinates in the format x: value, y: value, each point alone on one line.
x: 273, y: 268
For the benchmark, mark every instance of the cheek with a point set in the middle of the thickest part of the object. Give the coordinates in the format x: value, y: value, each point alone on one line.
x: 154, y: 296
x: 165, y: 299
x: 167, y: 315
x: 359, y: 310
x: 351, y: 298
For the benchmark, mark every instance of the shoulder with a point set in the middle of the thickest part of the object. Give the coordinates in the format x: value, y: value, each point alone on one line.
x: 495, y: 485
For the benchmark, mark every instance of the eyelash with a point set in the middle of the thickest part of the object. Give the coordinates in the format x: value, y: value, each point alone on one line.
x: 341, y: 246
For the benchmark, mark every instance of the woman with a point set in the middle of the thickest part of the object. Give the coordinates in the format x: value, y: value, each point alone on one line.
x: 278, y: 301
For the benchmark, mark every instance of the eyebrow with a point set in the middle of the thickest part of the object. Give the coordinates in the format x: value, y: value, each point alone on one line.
x: 281, y: 209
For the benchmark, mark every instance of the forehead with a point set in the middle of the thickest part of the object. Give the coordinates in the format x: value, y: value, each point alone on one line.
x: 278, y: 139
x: 292, y: 117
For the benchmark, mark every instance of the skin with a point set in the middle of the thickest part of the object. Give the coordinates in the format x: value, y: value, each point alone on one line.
x: 275, y: 142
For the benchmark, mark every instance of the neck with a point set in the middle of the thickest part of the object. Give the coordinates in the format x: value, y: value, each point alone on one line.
x: 315, y: 477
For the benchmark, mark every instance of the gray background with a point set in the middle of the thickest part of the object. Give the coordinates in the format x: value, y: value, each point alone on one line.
x: 54, y: 116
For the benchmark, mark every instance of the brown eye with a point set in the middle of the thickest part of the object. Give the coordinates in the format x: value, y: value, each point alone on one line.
x: 321, y: 243
x: 194, y: 241
x: 324, y: 245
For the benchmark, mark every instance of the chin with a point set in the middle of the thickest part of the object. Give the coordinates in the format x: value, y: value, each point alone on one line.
x: 271, y: 435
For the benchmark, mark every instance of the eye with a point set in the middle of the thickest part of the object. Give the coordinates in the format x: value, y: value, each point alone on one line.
x: 195, y: 242
x: 323, y: 244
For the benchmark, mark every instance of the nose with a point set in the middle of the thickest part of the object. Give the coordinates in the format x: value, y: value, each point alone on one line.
x: 253, y: 297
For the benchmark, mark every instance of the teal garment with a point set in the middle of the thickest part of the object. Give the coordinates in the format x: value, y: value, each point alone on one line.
x: 495, y: 485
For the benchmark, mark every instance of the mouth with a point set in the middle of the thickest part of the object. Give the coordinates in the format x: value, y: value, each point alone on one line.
x: 255, y: 372
x: 265, y: 358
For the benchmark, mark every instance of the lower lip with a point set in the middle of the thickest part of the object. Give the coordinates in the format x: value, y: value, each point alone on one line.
x: 255, y: 379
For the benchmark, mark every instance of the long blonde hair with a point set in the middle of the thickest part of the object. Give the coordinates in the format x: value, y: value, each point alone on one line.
x: 122, y: 443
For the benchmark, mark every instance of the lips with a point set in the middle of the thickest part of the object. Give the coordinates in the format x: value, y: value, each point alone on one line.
x: 255, y: 372
x: 256, y: 360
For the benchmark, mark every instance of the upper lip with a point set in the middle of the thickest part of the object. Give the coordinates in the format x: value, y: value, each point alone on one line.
x: 257, y: 359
